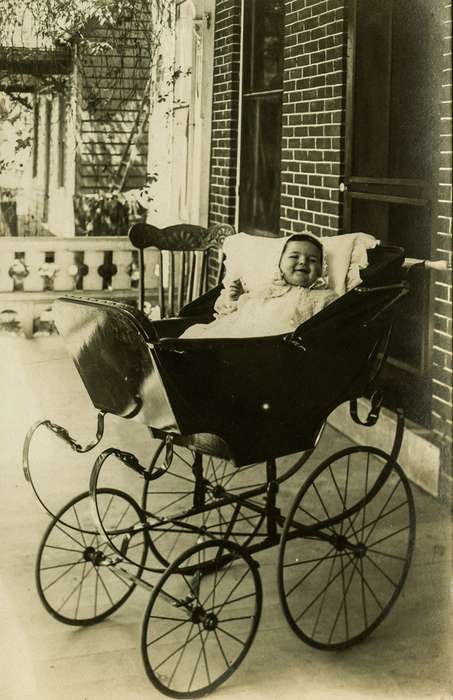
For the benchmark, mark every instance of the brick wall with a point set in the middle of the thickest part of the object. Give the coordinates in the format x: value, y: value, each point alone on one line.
x: 225, y: 105
x: 313, y: 115
x: 225, y: 109
x: 442, y: 335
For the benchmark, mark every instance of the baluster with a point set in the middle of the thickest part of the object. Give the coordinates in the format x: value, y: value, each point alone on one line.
x: 171, y: 283
x: 6, y: 281
x: 218, y: 255
x: 198, y: 279
x: 26, y: 313
x: 203, y: 273
x: 181, y: 279
x: 161, y: 284
x: 122, y: 259
x: 107, y: 270
x: 34, y: 282
x: 153, y: 271
x: 191, y: 277
x: 64, y: 281
x: 93, y: 280
x: 10, y: 321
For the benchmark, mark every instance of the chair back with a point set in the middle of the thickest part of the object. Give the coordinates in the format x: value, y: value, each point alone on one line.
x: 187, y: 254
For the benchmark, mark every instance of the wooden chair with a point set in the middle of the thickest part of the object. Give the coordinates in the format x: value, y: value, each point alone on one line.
x: 190, y: 252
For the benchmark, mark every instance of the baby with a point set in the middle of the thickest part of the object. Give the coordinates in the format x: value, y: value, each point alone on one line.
x: 297, y: 291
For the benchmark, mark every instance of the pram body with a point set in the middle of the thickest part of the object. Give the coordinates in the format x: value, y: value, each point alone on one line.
x: 240, y: 401
x: 215, y: 394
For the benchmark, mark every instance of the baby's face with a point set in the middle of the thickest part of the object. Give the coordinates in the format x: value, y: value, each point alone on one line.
x: 301, y: 263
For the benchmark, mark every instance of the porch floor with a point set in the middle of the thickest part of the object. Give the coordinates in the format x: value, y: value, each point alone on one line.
x: 408, y: 656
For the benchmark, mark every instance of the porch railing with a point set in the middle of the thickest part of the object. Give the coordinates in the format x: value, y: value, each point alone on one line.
x: 35, y: 271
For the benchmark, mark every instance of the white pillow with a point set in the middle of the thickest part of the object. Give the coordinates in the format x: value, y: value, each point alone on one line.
x: 252, y: 259
x: 346, y: 256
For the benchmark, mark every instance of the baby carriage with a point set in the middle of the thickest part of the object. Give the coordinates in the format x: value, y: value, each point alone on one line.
x: 236, y: 418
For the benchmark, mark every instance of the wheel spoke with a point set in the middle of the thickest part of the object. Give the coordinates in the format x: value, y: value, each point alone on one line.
x: 367, y: 472
x: 385, y: 554
x: 79, y: 595
x: 96, y: 582
x: 107, y: 508
x: 313, y: 517
x: 203, y: 642
x: 175, y: 542
x: 175, y: 651
x: 321, y: 592
x: 364, y: 579
x: 101, y: 580
x: 195, y: 668
x: 382, y: 510
x: 65, y: 532
x: 79, y: 525
x: 321, y: 604
x: 165, y: 634
x: 342, y: 499
x: 172, y: 503
x: 309, y: 561
x: 232, y: 636
x: 76, y: 588
x: 235, y: 587
x: 230, y: 602
x: 320, y: 561
x: 381, y: 516
x: 221, y: 649
x: 178, y: 661
x: 235, y: 619
x: 179, y: 476
x: 63, y: 549
x: 59, y: 566
x: 183, y: 459
x: 362, y: 590
x: 392, y: 534
x: 81, y: 561
x: 389, y: 579
x: 216, y: 584
x: 343, y: 604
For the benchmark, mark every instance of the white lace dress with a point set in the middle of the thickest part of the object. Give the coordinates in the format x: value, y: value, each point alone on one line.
x: 271, y: 311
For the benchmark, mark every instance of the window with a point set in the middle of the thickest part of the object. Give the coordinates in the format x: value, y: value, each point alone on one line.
x: 259, y: 191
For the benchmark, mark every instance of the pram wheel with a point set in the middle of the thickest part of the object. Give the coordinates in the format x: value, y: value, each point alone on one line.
x: 77, y: 582
x: 335, y: 591
x: 173, y: 492
x: 201, y: 619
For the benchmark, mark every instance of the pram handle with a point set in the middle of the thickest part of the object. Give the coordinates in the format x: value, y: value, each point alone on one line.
x: 440, y: 265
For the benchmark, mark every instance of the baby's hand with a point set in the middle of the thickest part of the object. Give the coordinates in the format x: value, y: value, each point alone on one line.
x: 235, y: 289
x: 227, y: 301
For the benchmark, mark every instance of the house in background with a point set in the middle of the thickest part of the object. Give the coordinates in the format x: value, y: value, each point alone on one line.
x: 22, y: 68
x: 332, y: 116
x: 89, y: 131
